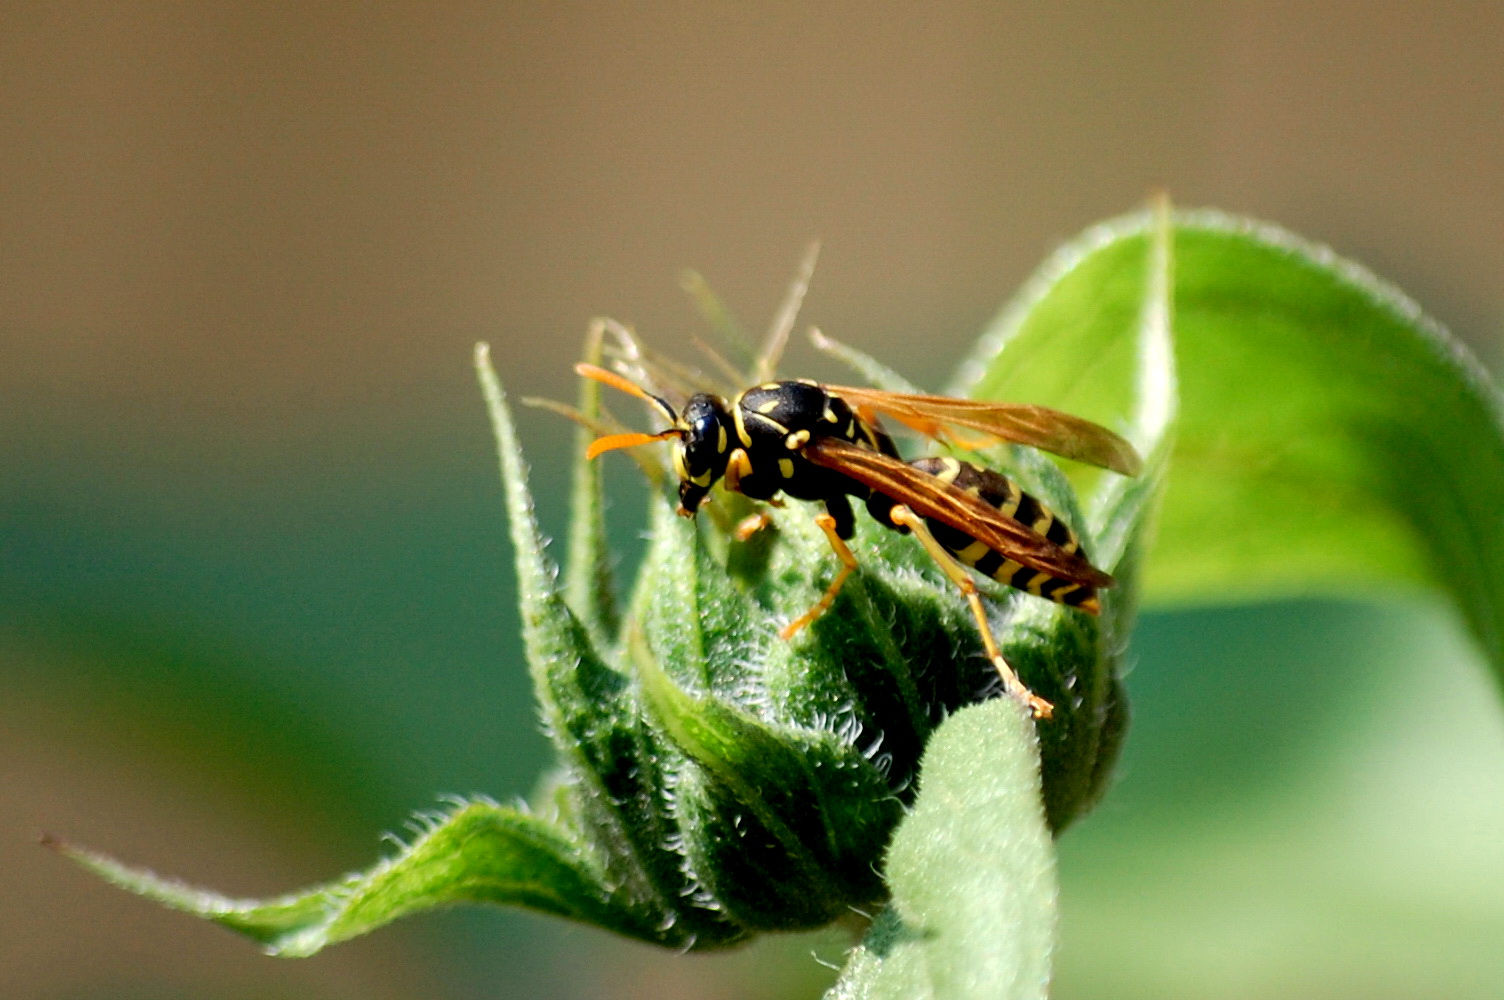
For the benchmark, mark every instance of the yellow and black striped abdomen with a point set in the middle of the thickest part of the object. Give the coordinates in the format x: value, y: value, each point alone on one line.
x: 1002, y: 493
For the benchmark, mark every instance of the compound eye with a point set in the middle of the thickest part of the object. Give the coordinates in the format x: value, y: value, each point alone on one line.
x: 704, y: 440
x: 707, y: 432
x: 700, y: 447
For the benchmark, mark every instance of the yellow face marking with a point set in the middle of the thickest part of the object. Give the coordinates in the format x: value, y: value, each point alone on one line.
x: 720, y: 439
x: 786, y: 466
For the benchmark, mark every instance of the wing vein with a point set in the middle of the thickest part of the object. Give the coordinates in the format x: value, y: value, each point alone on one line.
x: 931, y: 497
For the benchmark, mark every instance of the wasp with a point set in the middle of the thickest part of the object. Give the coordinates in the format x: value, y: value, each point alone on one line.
x: 824, y: 443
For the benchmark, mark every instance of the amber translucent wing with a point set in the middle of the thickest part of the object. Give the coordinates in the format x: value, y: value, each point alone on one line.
x: 931, y: 497
x: 1037, y: 426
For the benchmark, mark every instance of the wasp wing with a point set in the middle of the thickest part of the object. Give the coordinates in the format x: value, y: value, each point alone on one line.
x: 928, y: 496
x: 1037, y: 426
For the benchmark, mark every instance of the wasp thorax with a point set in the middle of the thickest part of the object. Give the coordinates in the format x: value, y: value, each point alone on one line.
x: 703, y: 449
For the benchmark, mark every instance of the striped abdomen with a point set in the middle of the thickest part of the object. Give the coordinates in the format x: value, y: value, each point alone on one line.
x: 1000, y: 492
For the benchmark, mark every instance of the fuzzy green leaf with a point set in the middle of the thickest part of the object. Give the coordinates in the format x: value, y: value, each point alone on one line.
x: 589, y: 587
x: 480, y: 852
x: 803, y: 811
x: 616, y: 783
x: 1332, y: 437
x: 972, y: 871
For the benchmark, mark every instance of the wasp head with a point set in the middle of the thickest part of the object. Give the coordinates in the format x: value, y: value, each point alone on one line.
x: 705, y: 430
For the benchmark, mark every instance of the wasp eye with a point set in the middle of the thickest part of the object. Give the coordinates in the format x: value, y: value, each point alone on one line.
x: 704, y: 446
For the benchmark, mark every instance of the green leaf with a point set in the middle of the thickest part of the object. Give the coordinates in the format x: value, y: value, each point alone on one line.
x: 1333, y: 438
x: 589, y: 587
x: 804, y: 812
x: 480, y: 852
x: 972, y: 872
x: 592, y: 713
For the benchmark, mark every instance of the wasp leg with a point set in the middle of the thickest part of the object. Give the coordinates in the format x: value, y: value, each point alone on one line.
x: 848, y: 563
x: 737, y: 466
x: 751, y: 525
x: 904, y: 517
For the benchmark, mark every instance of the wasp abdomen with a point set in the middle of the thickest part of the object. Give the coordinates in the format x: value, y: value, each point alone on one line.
x: 1002, y: 493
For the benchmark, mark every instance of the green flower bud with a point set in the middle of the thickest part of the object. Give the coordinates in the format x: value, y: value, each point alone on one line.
x: 731, y: 781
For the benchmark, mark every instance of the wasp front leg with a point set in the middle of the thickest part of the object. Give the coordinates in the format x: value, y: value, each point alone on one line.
x: 905, y: 518
x: 751, y: 525
x: 737, y: 466
x: 827, y: 524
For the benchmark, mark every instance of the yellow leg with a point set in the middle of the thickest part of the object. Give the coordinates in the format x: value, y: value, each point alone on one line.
x: 737, y: 466
x: 904, y: 517
x: 751, y: 525
x: 848, y: 563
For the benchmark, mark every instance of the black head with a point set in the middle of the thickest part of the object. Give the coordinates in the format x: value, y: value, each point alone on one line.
x: 705, y: 434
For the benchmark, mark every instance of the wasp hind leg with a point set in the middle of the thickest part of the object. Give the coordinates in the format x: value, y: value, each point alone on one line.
x: 1037, y: 706
x: 827, y: 524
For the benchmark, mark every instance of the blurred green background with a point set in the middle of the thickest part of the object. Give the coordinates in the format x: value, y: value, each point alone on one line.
x: 255, y: 603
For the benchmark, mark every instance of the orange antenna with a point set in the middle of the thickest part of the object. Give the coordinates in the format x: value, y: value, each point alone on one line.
x: 612, y: 442
x: 629, y: 387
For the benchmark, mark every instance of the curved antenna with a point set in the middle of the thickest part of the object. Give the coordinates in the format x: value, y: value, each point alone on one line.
x: 611, y: 442
x: 629, y: 387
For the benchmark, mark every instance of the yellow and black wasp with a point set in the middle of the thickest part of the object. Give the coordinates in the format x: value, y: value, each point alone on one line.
x: 824, y: 443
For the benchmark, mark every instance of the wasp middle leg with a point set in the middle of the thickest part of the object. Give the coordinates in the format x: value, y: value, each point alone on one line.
x: 828, y: 524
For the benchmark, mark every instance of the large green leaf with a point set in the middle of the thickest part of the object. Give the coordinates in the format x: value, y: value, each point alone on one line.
x: 972, y: 870
x: 1332, y: 438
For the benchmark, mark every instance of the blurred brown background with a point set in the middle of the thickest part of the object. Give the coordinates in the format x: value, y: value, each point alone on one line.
x: 254, y: 581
